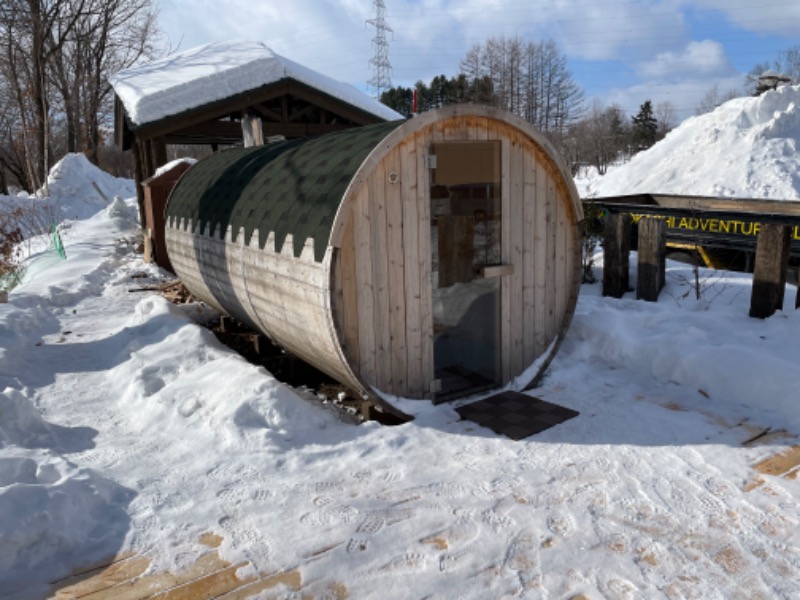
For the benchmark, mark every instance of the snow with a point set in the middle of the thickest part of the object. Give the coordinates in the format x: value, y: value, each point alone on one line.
x: 746, y: 148
x: 202, y: 75
x: 125, y: 426
x: 69, y: 194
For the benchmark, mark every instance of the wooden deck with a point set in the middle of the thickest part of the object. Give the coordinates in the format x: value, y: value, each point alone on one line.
x: 126, y: 577
x: 784, y: 464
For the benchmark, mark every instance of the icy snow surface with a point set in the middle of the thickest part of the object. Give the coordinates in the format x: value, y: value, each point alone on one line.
x: 202, y: 75
x: 746, y: 148
x: 125, y: 426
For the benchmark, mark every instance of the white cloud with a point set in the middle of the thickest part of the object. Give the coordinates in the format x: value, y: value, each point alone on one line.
x: 697, y: 60
x: 779, y: 17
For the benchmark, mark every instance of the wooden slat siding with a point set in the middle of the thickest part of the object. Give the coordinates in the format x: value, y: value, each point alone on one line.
x: 507, y: 254
x: 540, y: 261
x: 279, y: 287
x: 550, y: 282
x: 239, y: 281
x: 562, y: 276
x: 516, y: 217
x: 424, y: 259
x: 380, y: 278
x: 365, y: 287
x: 183, y: 258
x: 411, y: 265
x: 396, y: 289
x: 349, y: 306
x: 529, y: 241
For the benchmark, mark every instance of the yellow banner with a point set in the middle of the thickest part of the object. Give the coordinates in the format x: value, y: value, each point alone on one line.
x: 712, y: 225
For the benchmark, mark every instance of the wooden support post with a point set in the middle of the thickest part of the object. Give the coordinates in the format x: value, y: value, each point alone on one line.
x: 769, y: 277
x: 252, y: 130
x: 616, y: 254
x: 159, y: 153
x: 652, y: 259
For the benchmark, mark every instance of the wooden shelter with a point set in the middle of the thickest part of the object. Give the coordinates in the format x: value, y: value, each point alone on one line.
x: 224, y: 94
x: 429, y: 258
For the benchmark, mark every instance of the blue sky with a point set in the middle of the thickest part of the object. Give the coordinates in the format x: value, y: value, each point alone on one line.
x: 619, y: 51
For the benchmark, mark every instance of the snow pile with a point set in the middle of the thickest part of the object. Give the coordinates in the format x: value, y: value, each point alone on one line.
x: 69, y: 195
x: 746, y: 148
x: 202, y: 75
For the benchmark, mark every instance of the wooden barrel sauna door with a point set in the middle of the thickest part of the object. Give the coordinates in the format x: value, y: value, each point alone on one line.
x: 465, y: 239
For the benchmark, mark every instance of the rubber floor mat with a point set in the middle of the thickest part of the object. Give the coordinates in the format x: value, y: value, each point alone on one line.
x: 515, y: 415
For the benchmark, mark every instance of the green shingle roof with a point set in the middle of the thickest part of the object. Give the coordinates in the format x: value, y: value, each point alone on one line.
x: 290, y: 187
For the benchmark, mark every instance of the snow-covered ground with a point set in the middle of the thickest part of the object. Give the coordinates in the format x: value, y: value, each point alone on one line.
x: 124, y: 425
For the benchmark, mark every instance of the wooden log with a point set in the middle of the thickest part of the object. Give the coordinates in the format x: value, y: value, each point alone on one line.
x: 616, y: 254
x: 652, y: 259
x: 769, y: 278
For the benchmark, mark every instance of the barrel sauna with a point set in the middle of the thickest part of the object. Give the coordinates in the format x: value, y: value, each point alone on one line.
x: 431, y: 258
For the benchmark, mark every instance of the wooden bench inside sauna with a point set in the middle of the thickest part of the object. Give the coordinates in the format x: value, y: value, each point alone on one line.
x: 430, y: 258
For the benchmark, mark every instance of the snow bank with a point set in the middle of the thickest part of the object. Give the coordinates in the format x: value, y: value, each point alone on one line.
x: 69, y: 195
x: 52, y: 509
x: 202, y: 75
x: 746, y: 148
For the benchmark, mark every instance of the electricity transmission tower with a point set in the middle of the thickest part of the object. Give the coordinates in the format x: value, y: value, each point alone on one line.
x: 381, y: 69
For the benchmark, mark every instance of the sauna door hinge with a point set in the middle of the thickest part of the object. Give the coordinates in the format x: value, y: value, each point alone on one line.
x: 431, y: 159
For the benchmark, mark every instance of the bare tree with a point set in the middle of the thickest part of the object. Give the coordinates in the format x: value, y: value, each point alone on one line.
x: 713, y: 98
x: 36, y: 31
x: 665, y: 118
x: 55, y: 59
x: 529, y: 79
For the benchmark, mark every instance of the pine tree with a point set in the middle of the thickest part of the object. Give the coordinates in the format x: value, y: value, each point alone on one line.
x: 645, y: 126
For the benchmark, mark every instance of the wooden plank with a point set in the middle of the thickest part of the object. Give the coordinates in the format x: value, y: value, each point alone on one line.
x: 349, y: 307
x: 380, y: 279
x: 528, y: 266
x: 101, y: 578
x: 507, y: 254
x: 424, y: 259
x: 211, y: 586
x: 396, y: 263
x: 411, y: 198
x: 550, y: 268
x: 365, y: 288
x: 291, y: 579
x: 780, y: 464
x: 540, y: 262
x: 145, y: 587
x: 517, y: 231
x: 562, y: 277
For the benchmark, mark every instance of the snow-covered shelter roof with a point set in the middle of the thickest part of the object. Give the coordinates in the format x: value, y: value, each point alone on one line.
x: 200, y: 76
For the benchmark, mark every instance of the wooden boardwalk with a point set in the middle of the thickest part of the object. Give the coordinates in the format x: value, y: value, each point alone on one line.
x: 125, y: 577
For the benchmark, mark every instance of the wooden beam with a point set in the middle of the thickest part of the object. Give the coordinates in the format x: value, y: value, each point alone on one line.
x: 301, y: 112
x: 769, y: 278
x: 268, y: 112
x: 652, y: 252
x: 616, y: 254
